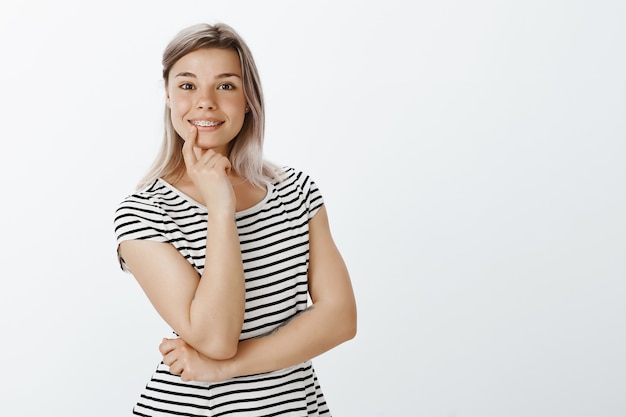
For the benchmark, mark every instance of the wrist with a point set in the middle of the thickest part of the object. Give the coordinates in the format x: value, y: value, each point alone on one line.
x: 221, y: 218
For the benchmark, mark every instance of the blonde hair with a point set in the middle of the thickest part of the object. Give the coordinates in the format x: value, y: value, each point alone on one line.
x: 246, y: 149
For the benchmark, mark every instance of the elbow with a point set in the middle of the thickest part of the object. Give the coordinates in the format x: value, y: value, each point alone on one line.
x: 351, y: 332
x: 351, y: 328
x: 218, y: 343
x: 349, y: 325
x: 217, y: 348
x: 223, y: 353
x: 219, y: 351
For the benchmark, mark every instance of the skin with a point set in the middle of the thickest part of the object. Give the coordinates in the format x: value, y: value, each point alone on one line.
x: 330, y: 321
x: 206, y: 85
x: 207, y: 312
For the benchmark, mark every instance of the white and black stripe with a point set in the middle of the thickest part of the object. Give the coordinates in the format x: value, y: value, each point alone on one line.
x: 274, y: 242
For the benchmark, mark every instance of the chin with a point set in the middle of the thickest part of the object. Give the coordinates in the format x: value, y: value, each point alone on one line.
x: 220, y: 148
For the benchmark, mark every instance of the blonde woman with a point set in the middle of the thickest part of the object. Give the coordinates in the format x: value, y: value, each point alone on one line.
x: 233, y: 252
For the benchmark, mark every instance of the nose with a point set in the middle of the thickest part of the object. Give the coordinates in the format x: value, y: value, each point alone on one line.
x: 206, y: 101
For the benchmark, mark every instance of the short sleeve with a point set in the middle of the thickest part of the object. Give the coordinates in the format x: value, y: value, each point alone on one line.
x: 314, y: 198
x: 299, y: 188
x: 138, y: 218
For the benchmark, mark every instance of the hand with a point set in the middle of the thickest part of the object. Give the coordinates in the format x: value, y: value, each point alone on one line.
x: 185, y: 361
x: 209, y: 172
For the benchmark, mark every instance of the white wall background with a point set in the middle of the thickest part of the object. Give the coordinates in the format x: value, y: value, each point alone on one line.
x: 472, y: 159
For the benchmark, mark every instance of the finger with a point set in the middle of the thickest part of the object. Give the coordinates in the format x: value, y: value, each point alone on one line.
x: 176, y: 368
x: 207, y: 157
x: 168, y: 345
x: 189, y: 155
x: 216, y: 160
x: 184, y: 376
x: 226, y: 165
x: 222, y: 164
x: 175, y: 362
x: 170, y: 357
x: 174, y: 359
x: 165, y: 347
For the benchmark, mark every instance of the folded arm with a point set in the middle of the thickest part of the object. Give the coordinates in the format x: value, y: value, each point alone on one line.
x: 207, y: 313
x: 328, y: 322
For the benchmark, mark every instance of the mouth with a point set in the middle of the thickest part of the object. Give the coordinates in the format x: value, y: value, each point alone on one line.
x: 205, y: 123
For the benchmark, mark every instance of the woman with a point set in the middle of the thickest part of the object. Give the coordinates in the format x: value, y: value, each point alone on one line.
x: 235, y: 254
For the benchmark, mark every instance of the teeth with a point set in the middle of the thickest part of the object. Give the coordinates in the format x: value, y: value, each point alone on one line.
x: 205, y: 123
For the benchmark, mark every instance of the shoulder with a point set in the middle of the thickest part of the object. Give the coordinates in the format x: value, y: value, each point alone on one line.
x: 142, y: 210
x: 292, y: 177
x: 149, y: 198
x: 297, y: 185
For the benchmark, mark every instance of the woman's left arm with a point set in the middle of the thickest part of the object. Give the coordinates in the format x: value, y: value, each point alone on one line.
x: 329, y: 321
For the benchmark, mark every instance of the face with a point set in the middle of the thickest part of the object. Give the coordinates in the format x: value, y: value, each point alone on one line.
x: 205, y: 89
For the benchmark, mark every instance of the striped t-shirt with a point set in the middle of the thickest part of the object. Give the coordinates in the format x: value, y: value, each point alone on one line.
x: 274, y: 238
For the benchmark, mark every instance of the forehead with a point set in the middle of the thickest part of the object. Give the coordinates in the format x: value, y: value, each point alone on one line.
x: 208, y: 62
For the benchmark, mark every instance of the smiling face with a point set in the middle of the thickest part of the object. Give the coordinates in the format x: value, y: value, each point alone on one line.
x: 205, y: 89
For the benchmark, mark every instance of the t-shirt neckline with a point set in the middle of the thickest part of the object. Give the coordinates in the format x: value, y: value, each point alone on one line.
x: 244, y: 212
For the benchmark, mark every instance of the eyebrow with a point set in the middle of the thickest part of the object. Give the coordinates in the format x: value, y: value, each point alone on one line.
x: 224, y: 75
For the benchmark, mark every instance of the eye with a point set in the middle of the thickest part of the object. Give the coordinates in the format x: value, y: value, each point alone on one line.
x: 226, y: 86
x: 186, y: 86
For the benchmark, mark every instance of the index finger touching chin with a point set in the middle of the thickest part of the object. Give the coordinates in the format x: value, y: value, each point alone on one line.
x: 191, y: 135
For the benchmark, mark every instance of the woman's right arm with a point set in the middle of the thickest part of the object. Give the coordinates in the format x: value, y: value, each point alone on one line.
x: 205, y: 312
